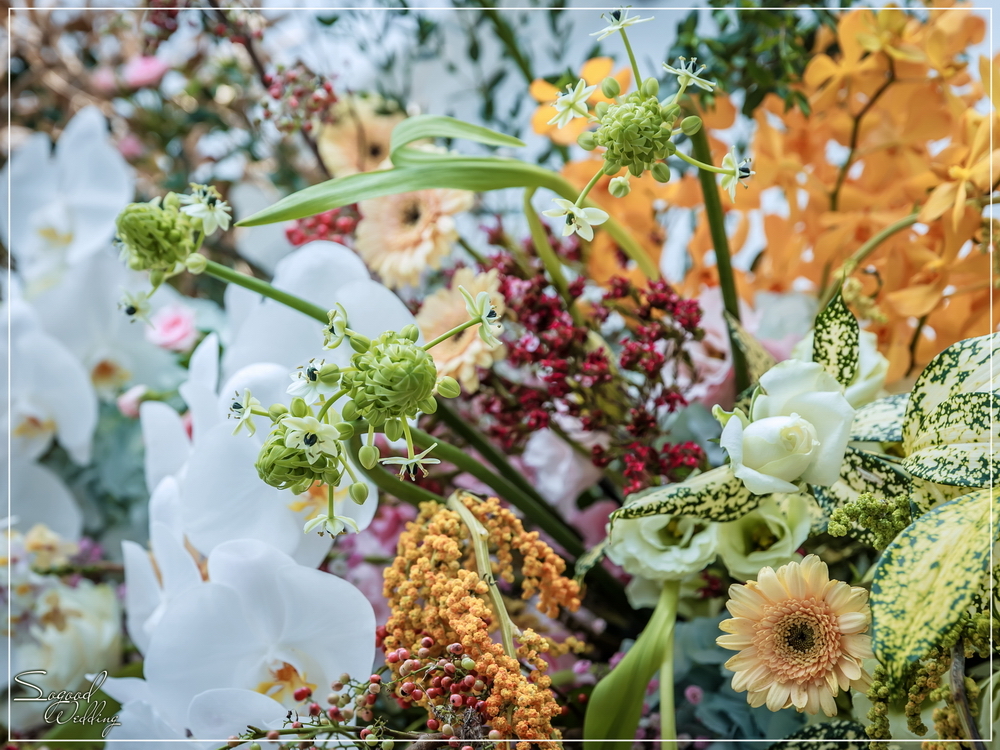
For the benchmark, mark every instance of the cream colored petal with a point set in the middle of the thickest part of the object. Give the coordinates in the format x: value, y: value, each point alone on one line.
x: 850, y: 668
x: 827, y: 702
x: 734, y: 642
x: 799, y: 696
x: 744, y: 660
x: 770, y: 586
x: 858, y: 646
x: 852, y: 622
x: 778, y: 696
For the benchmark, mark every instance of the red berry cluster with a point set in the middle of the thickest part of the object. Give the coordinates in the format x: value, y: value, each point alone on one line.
x: 297, y: 97
x: 336, y: 225
x: 238, y: 25
x: 161, y: 22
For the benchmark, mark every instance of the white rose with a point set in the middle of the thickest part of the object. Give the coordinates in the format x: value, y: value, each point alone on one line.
x: 664, y: 547
x: 872, y: 368
x: 798, y: 428
x: 766, y: 537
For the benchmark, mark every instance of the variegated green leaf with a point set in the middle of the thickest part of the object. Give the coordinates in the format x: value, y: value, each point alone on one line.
x: 759, y: 360
x: 928, y: 577
x: 955, y: 442
x: 862, y: 472
x: 964, y: 367
x: 836, y: 341
x: 834, y: 731
x: 589, y: 559
x: 881, y: 421
x: 716, y: 495
x: 925, y: 495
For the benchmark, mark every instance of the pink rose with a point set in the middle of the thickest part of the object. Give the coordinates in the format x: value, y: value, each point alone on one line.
x: 173, y: 328
x: 144, y: 71
x: 128, y: 403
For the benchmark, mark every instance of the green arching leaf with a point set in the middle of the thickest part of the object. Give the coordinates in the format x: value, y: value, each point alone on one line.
x: 964, y: 367
x: 759, y: 360
x: 716, y: 495
x: 437, y: 126
x: 928, y: 577
x: 834, y: 731
x: 955, y: 442
x: 862, y: 472
x: 836, y: 341
x: 589, y: 559
x: 615, y: 706
x: 881, y: 421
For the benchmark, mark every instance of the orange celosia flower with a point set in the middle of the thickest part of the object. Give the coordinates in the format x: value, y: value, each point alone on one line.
x: 593, y: 72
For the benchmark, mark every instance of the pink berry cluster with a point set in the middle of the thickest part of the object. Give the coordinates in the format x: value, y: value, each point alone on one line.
x: 160, y: 22
x: 335, y: 225
x: 298, y: 97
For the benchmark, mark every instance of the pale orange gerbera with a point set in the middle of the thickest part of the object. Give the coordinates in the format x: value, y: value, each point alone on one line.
x: 357, y: 140
x: 461, y: 356
x: 799, y: 635
x: 399, y: 236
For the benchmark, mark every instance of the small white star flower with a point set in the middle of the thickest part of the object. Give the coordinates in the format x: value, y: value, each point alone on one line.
x: 336, y: 329
x: 312, y: 437
x: 410, y: 466
x: 481, y: 309
x: 737, y: 172
x: 579, y: 220
x: 241, y: 409
x: 205, y: 203
x: 572, y: 104
x: 687, y: 75
x: 332, y: 525
x: 307, y: 385
x: 618, y: 20
x: 136, y: 306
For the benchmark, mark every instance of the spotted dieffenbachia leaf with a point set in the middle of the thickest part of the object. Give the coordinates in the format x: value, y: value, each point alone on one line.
x: 955, y: 444
x: 759, y: 360
x: 928, y: 577
x: 589, y: 559
x: 881, y: 421
x: 834, y: 731
x: 964, y: 367
x: 836, y: 341
x: 925, y: 495
x: 716, y: 495
x: 862, y: 472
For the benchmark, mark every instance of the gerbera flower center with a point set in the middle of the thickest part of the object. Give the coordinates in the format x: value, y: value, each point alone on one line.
x: 799, y: 639
x: 411, y: 214
x: 799, y: 635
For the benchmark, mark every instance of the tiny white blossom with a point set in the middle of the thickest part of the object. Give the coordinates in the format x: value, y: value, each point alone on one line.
x: 336, y: 329
x: 481, y: 309
x: 410, y: 466
x: 572, y: 104
x: 737, y: 172
x: 312, y: 437
x: 687, y: 75
x: 579, y: 220
x: 136, y: 306
x: 242, y: 411
x: 306, y: 383
x: 206, y: 203
x: 332, y: 525
x: 618, y: 20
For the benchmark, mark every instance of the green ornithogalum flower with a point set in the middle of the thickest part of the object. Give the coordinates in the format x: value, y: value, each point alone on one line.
x: 635, y: 132
x: 156, y: 236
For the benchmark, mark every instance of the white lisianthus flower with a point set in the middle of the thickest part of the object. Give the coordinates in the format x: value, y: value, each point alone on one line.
x: 572, y: 104
x: 767, y: 536
x: 664, y: 547
x: 798, y: 428
x: 579, y: 220
x: 872, y: 368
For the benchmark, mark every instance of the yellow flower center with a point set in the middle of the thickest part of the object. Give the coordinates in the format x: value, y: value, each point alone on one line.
x: 285, y: 680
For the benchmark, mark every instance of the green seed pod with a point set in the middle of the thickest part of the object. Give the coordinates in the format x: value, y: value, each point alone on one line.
x: 636, y: 169
x: 371, y: 740
x: 388, y: 744
x: 349, y: 411
x: 619, y: 187
x: 359, y: 492
x: 360, y: 343
x: 410, y: 332
x: 650, y: 87
x: 393, y: 429
x: 428, y: 405
x: 691, y: 125
x: 329, y: 374
x: 468, y: 663
x: 671, y: 112
x: 586, y: 140
x: 196, y: 263
x: 601, y: 109
x: 299, y: 407
x: 277, y: 411
x: 671, y: 148
x: 612, y: 167
x: 345, y: 430
x: 661, y: 172
x: 610, y: 88
x: 368, y: 455
x: 448, y: 387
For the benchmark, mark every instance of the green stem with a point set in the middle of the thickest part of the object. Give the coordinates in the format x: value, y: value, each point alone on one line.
x: 328, y: 403
x: 232, y: 276
x: 590, y: 186
x: 448, y: 334
x: 668, y: 722
x: 549, y: 258
x: 631, y: 57
x: 476, y: 256
x: 723, y: 261
x: 701, y: 165
x: 408, y: 492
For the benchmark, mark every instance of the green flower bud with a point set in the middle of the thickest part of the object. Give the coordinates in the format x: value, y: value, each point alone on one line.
x: 359, y: 492
x: 691, y: 125
x: 671, y: 148
x: 196, y: 263
x: 610, y: 88
x: 428, y: 405
x: 288, y: 467
x: 329, y: 374
x: 156, y: 235
x: 277, y: 411
x: 601, y: 109
x: 661, y: 172
x: 671, y: 112
x: 448, y: 387
x: 619, y: 187
x: 299, y: 408
x: 650, y: 87
x: 360, y: 343
x: 410, y: 332
x: 368, y: 455
x: 636, y: 169
x: 349, y: 411
x: 586, y: 140
x: 345, y: 430
x: 632, y: 132
x: 393, y: 429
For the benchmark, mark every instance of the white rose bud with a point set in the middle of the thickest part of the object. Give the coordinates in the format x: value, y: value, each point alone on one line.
x: 798, y: 428
x: 664, y: 547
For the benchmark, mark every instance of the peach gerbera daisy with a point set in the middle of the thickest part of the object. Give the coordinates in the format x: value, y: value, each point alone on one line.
x: 401, y: 235
x: 799, y: 635
x: 357, y: 138
x: 461, y: 355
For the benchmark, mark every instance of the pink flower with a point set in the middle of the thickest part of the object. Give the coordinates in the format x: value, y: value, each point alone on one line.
x: 144, y: 71
x: 592, y: 522
x: 173, y: 328
x: 187, y: 421
x: 130, y: 146
x: 694, y: 694
x: 128, y: 402
x: 103, y: 79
